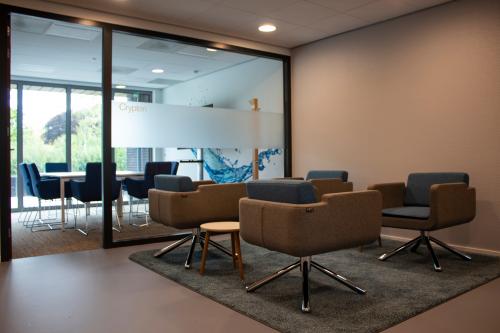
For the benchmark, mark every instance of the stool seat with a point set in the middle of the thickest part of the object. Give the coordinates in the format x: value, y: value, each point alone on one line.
x: 221, y: 226
x: 230, y: 227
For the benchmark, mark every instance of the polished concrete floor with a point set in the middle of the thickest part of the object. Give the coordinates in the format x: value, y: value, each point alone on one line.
x: 102, y: 291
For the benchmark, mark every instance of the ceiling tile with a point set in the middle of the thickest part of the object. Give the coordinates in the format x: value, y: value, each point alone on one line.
x: 263, y: 7
x: 340, y: 5
x: 302, y: 13
x: 381, y: 10
x: 337, y: 24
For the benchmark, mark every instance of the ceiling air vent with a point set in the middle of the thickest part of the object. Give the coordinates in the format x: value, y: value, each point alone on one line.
x: 72, y: 31
x: 159, y: 46
x: 165, y: 82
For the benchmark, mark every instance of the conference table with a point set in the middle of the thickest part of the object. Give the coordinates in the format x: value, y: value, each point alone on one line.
x: 67, y: 176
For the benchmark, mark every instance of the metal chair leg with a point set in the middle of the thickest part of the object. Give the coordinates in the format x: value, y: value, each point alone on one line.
x: 386, y: 256
x: 305, y: 267
x: 414, y: 248
x: 257, y: 284
x: 338, y: 278
x: 194, y: 240
x: 435, y: 261
x: 172, y: 246
x: 452, y: 250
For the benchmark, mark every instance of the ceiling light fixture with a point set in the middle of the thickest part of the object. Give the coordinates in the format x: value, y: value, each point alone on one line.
x: 267, y: 28
x: 121, y: 86
x: 211, y: 50
x: 158, y: 71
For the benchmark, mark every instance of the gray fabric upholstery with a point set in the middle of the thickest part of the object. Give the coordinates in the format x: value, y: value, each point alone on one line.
x: 327, y: 174
x: 174, y: 183
x: 286, y: 191
x: 412, y: 212
x: 419, y: 184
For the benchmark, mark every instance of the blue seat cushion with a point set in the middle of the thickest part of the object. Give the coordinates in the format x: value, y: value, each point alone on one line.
x: 287, y: 191
x: 418, y: 186
x: 174, y: 183
x: 327, y: 174
x: 410, y: 212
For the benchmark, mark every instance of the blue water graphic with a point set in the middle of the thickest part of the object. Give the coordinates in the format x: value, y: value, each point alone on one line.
x: 222, y: 170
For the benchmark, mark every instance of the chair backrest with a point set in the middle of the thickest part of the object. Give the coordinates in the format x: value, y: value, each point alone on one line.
x: 25, y: 174
x: 174, y: 183
x: 93, y: 179
x: 288, y: 191
x: 34, y: 177
x: 158, y: 168
x: 328, y: 174
x: 419, y: 184
x: 56, y: 167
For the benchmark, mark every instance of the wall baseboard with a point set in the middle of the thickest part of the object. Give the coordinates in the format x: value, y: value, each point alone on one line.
x: 458, y: 247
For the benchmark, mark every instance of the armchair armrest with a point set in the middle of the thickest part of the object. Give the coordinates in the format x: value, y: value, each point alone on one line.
x: 215, y: 202
x: 197, y: 183
x: 392, y: 193
x: 452, y: 204
x: 324, y: 186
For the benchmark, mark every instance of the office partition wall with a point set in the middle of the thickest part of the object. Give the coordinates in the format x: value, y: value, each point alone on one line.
x: 62, y: 107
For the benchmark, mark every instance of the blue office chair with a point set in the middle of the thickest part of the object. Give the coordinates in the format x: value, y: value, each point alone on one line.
x: 45, y: 188
x: 138, y: 188
x: 90, y: 190
x: 27, y: 190
x: 56, y: 167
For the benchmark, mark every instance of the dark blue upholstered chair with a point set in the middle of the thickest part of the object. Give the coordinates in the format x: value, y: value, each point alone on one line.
x: 138, y: 188
x: 56, y: 167
x: 327, y: 174
x: 25, y: 175
x: 429, y: 202
x: 45, y: 188
x: 90, y: 189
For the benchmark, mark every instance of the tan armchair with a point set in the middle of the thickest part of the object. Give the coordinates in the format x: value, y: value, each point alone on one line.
x: 284, y: 216
x: 177, y: 202
x: 429, y: 201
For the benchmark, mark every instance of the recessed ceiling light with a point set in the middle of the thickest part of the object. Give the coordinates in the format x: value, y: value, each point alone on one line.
x: 121, y: 86
x: 267, y: 28
x: 158, y: 71
x: 211, y: 50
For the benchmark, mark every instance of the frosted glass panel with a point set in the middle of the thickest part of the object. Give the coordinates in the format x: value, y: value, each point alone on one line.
x: 161, y: 125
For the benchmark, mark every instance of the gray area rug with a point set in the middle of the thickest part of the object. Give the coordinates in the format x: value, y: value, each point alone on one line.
x: 397, y: 289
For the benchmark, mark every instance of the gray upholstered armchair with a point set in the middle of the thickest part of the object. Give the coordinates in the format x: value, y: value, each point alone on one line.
x: 284, y: 216
x: 181, y: 203
x: 428, y: 202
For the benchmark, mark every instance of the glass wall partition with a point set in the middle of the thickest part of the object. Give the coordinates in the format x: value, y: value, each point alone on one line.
x: 55, y: 118
x: 202, y: 115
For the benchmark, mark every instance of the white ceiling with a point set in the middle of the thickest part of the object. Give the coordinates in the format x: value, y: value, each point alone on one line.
x: 54, y: 50
x: 298, y: 21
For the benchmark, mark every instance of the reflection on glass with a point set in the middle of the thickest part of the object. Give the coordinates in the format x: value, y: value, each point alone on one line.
x: 191, y: 77
x: 86, y: 106
x: 44, y: 125
x: 13, y: 146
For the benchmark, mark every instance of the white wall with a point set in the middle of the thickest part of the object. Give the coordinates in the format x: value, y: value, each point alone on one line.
x: 419, y: 93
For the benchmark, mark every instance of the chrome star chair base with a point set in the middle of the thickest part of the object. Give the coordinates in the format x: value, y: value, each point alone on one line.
x: 196, y: 237
x: 305, y: 264
x: 426, y: 239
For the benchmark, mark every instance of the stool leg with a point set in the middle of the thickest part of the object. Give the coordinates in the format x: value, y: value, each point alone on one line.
x: 233, y: 247
x: 204, y: 254
x: 238, y: 253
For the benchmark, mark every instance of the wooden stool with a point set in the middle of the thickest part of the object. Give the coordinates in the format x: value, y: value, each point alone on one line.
x: 223, y: 227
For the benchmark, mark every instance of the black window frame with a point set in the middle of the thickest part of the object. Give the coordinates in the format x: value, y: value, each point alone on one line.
x: 107, y: 93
